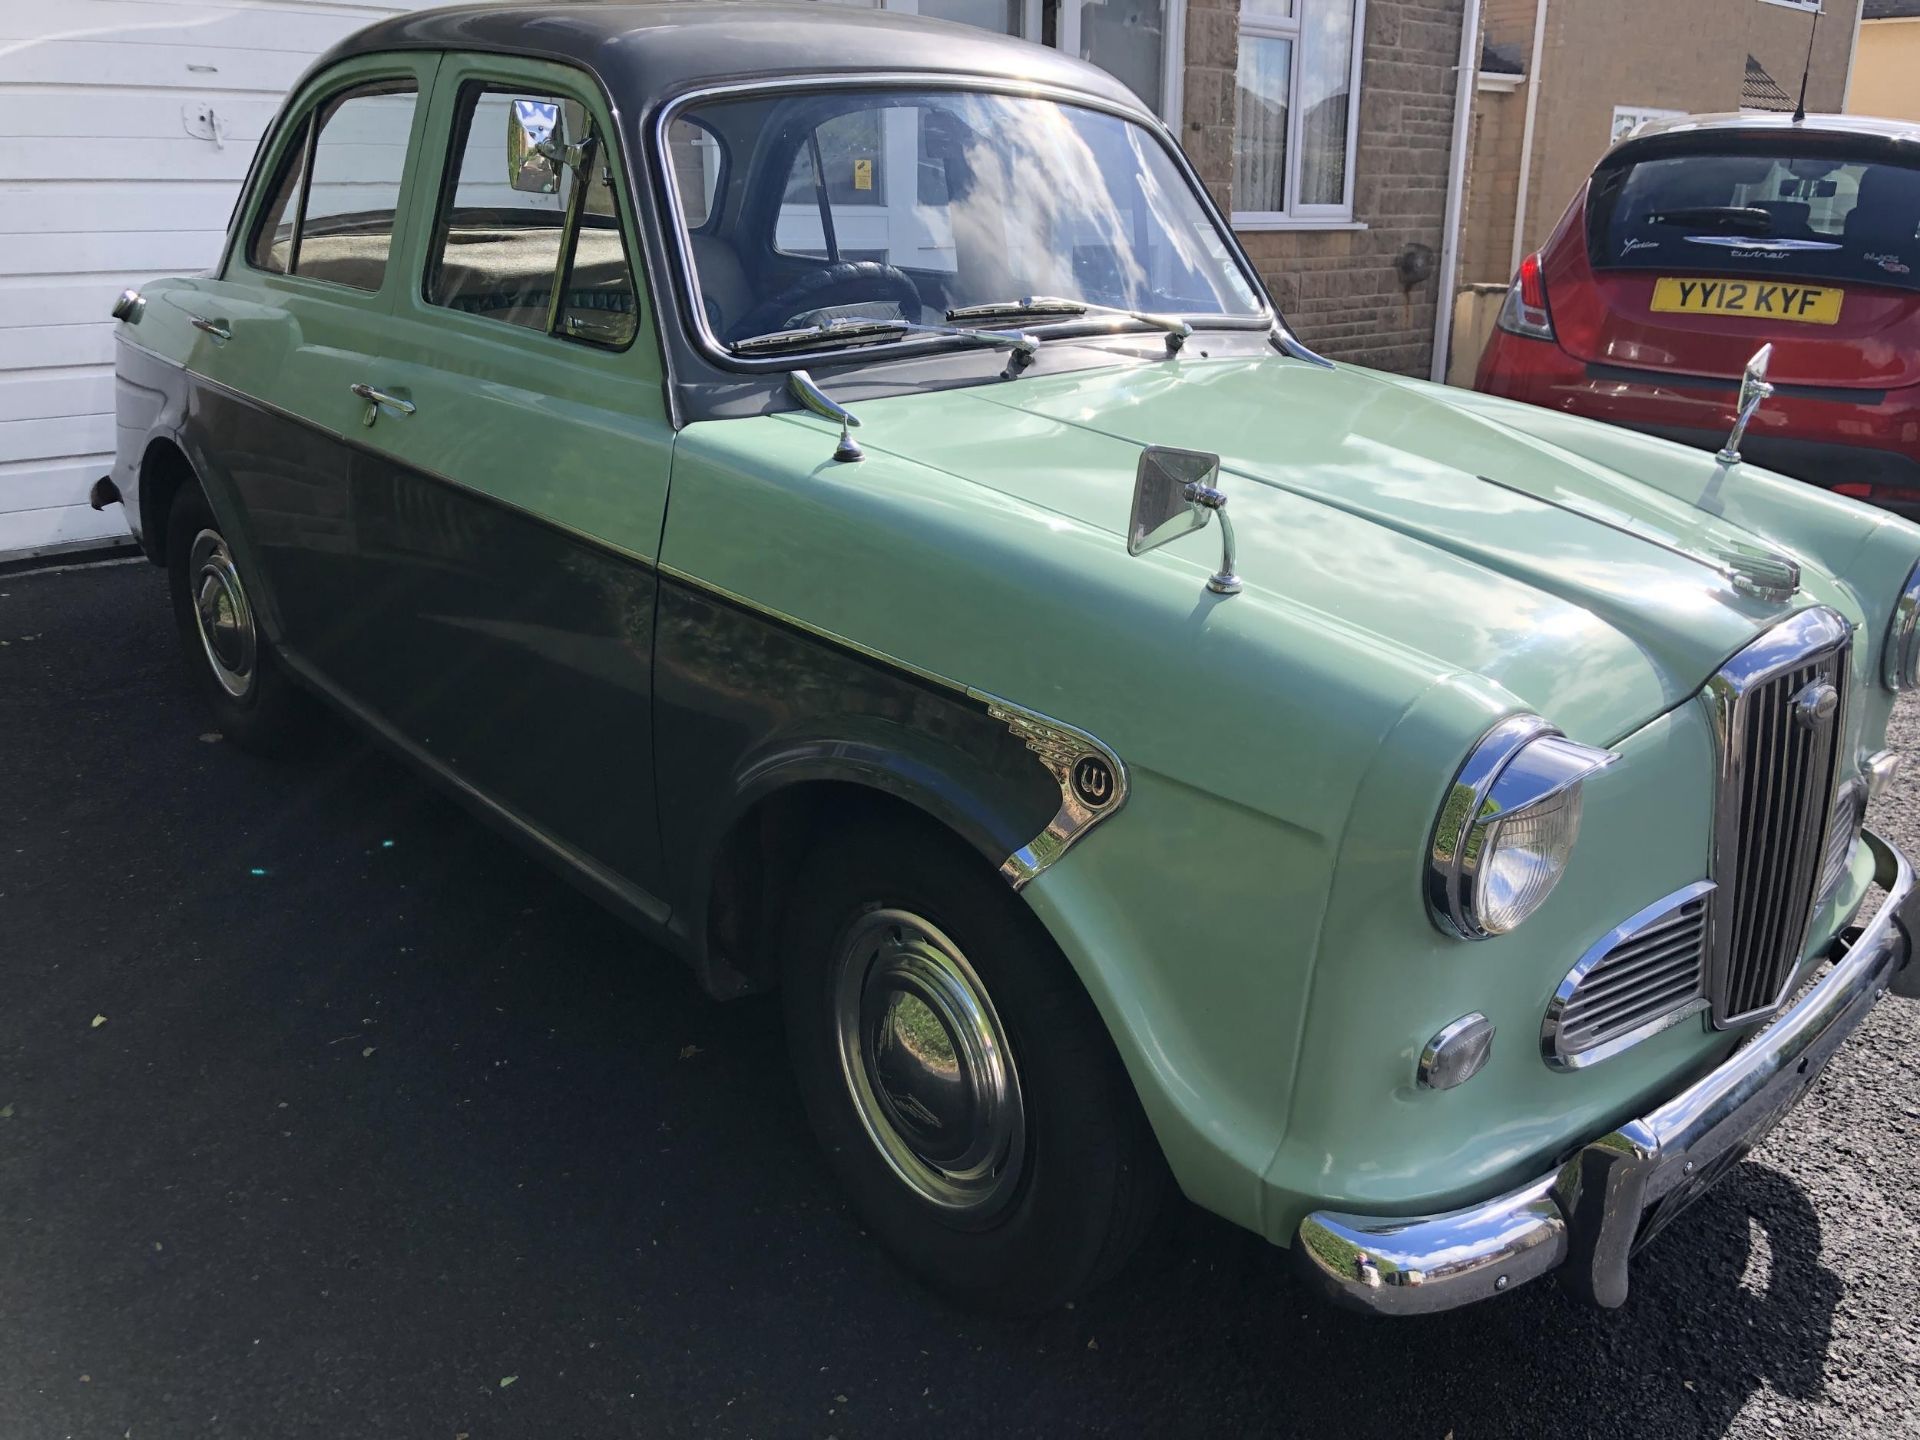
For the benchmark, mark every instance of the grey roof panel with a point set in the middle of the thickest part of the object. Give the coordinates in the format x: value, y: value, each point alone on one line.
x: 644, y: 52
x: 1890, y: 10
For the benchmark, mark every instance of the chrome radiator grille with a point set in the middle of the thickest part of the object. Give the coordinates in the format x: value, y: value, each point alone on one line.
x: 1778, y: 707
x: 1642, y: 977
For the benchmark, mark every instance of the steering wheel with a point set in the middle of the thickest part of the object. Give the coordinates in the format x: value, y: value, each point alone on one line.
x: 846, y: 282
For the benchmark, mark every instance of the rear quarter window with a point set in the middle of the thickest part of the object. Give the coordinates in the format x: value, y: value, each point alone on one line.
x: 1773, y: 211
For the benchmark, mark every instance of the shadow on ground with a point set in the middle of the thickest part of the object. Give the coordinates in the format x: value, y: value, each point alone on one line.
x: 384, y: 1131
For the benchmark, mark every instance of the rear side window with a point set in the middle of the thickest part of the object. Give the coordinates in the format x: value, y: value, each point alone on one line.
x: 1771, y: 211
x: 331, y: 211
x: 553, y: 261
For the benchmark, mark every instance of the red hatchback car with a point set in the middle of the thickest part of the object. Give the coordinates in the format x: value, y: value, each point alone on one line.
x: 1697, y: 241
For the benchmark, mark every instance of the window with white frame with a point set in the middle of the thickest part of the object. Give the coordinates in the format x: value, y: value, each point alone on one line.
x: 1138, y: 41
x: 1296, y: 112
x: 1629, y: 118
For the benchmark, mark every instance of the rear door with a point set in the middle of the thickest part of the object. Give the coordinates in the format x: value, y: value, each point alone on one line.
x: 1700, y: 255
x: 304, y: 305
x: 510, y: 486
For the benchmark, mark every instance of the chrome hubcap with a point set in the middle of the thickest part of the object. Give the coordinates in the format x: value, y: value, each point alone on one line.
x: 225, y: 619
x: 926, y: 1061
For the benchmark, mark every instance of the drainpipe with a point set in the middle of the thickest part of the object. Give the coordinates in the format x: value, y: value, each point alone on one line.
x: 1463, y: 94
x: 1853, y: 54
x: 1526, y: 137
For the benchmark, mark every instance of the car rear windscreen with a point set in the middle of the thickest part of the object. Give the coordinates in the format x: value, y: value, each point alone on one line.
x: 1812, y: 215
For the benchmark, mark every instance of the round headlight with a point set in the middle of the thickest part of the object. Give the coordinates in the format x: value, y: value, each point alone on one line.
x: 1900, y: 661
x: 1508, y: 827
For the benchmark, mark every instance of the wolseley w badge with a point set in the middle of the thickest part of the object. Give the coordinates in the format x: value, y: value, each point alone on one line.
x: 1093, y: 781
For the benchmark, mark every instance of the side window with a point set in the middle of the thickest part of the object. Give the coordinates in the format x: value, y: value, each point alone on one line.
x: 554, y: 261
x: 330, y: 214
x: 699, y: 166
x: 272, y: 248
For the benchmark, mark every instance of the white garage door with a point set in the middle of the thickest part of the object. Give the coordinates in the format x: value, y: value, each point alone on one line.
x: 126, y: 127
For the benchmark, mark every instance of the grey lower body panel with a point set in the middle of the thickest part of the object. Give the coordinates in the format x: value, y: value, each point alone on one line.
x: 1587, y: 1218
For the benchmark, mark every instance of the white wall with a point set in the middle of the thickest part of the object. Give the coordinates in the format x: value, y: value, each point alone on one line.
x: 110, y: 174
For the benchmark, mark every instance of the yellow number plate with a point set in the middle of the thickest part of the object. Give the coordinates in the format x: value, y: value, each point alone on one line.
x: 1754, y: 299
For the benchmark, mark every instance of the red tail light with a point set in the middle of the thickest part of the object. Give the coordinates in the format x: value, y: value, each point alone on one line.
x: 1525, y: 311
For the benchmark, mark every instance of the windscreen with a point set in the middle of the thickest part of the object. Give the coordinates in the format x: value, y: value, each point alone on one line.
x: 1810, y: 215
x: 902, y: 205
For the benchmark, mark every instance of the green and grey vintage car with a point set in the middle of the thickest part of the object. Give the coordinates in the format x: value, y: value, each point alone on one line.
x: 831, y: 483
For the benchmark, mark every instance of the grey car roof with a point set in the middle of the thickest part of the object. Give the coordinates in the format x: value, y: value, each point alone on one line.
x: 644, y: 53
x: 1778, y: 123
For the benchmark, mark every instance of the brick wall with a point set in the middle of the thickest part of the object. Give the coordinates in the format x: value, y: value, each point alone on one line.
x: 1339, y: 288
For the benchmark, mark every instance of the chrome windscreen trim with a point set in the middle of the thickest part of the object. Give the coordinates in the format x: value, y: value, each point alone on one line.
x: 673, y: 227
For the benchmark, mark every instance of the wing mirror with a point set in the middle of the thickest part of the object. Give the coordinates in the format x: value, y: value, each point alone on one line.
x: 1754, y: 391
x: 1174, y: 494
x: 536, y: 146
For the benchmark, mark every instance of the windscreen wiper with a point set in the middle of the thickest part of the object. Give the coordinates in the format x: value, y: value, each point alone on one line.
x: 1041, y: 307
x: 851, y: 332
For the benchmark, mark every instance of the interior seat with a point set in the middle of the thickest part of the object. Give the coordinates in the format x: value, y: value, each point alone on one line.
x: 724, y: 290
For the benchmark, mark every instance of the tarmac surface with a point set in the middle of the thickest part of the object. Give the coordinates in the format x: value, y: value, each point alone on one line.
x: 324, y: 1112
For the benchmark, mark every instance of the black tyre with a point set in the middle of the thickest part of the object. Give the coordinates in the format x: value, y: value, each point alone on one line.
x: 960, y: 1080
x: 253, y: 702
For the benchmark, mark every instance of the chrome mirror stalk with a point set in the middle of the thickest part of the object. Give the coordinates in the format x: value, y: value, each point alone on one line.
x: 1173, y: 495
x: 809, y: 394
x: 1755, y: 389
x: 1224, y: 581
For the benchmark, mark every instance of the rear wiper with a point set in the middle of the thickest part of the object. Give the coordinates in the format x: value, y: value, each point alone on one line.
x: 842, y: 332
x: 1039, y: 307
x: 1749, y: 219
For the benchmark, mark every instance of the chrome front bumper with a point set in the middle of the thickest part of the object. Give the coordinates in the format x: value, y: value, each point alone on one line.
x: 1590, y: 1216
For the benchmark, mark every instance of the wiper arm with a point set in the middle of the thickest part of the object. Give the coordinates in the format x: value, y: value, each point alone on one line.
x: 1750, y: 219
x: 1043, y: 306
x: 835, y: 332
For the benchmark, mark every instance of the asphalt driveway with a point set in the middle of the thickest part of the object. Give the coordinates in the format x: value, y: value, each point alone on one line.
x: 323, y: 1112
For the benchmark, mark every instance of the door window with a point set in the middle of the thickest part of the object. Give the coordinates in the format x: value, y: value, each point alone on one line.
x: 330, y: 215
x: 553, y: 261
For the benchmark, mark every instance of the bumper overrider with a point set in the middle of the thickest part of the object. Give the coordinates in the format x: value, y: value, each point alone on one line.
x: 1590, y: 1216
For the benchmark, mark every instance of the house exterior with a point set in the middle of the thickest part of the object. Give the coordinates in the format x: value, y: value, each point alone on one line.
x: 1886, y: 67
x: 1561, y: 80
x: 1325, y: 127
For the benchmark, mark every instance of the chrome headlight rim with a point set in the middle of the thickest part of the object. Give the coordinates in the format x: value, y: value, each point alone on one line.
x: 1900, y: 655
x: 1520, y: 764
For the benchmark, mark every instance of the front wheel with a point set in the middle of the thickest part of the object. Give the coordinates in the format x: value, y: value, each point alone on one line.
x: 963, y: 1086
x: 253, y: 702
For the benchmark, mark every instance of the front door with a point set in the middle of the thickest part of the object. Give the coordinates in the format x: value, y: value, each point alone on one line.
x: 510, y: 478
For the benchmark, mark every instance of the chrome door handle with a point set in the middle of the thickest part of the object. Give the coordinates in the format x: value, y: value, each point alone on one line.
x: 214, y: 328
x: 377, y: 398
